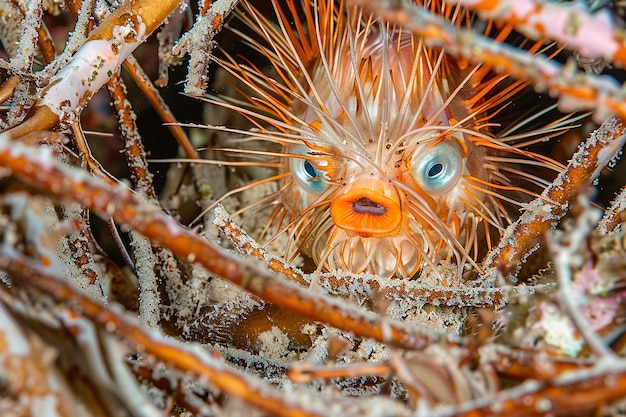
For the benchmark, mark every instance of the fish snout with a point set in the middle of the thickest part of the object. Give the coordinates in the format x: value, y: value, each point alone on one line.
x: 369, y: 207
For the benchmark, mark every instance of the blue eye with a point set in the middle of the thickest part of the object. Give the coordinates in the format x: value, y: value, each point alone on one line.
x: 437, y: 168
x: 308, y: 167
x: 304, y: 171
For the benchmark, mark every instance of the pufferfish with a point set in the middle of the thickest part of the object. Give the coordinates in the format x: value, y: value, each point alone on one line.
x: 388, y: 162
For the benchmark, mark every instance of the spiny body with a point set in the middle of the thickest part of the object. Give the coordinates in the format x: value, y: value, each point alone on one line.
x: 388, y: 161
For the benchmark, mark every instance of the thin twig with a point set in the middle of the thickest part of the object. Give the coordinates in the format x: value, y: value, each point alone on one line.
x: 159, y: 105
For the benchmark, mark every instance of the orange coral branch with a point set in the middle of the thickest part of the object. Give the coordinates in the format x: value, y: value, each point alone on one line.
x: 42, y: 169
x: 94, y: 63
x: 306, y: 372
x: 133, y: 148
x: 78, y: 246
x: 521, y: 238
x: 592, y: 34
x: 615, y: 214
x: 46, y: 45
x: 43, y: 118
x: 248, y: 246
x: 398, y: 289
x: 87, y: 157
x: 364, y: 284
x: 187, y: 359
x: 74, y: 7
x: 576, y: 90
x: 8, y: 87
x: 162, y: 109
x: 523, y: 364
x: 577, y: 392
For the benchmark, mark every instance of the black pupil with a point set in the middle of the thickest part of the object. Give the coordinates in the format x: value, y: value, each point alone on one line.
x: 308, y: 167
x: 435, y: 170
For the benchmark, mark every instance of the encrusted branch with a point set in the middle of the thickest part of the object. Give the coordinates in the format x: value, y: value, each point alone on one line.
x: 572, y: 392
x: 576, y: 90
x: 367, y: 285
x: 522, y: 237
x: 615, y: 215
x: 39, y: 166
x: 95, y: 62
x: 593, y: 35
x: 199, y: 42
x: 185, y: 358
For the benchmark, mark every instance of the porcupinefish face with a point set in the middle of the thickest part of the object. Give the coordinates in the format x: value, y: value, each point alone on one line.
x: 388, y: 160
x: 380, y: 174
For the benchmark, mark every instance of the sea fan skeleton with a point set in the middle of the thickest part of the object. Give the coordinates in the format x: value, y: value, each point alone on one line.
x: 389, y: 161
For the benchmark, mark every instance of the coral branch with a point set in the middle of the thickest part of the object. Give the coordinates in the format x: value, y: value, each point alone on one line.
x: 614, y: 215
x: 133, y: 148
x: 368, y: 285
x: 520, y: 364
x: 82, y: 269
x: 40, y: 167
x: 91, y: 164
x: 199, y: 42
x: 246, y: 245
x: 27, y: 45
x: 8, y: 88
x: 96, y: 61
x: 189, y: 360
x: 522, y: 237
x: 148, y: 273
x: 594, y: 35
x: 576, y: 90
x: 152, y: 94
x: 22, y: 61
x: 306, y: 372
x: 577, y: 391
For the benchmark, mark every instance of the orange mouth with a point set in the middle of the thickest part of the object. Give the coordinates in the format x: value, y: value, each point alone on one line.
x: 368, y: 207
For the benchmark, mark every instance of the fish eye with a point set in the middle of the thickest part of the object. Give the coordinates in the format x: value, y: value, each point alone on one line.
x: 437, y: 168
x: 310, y: 178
